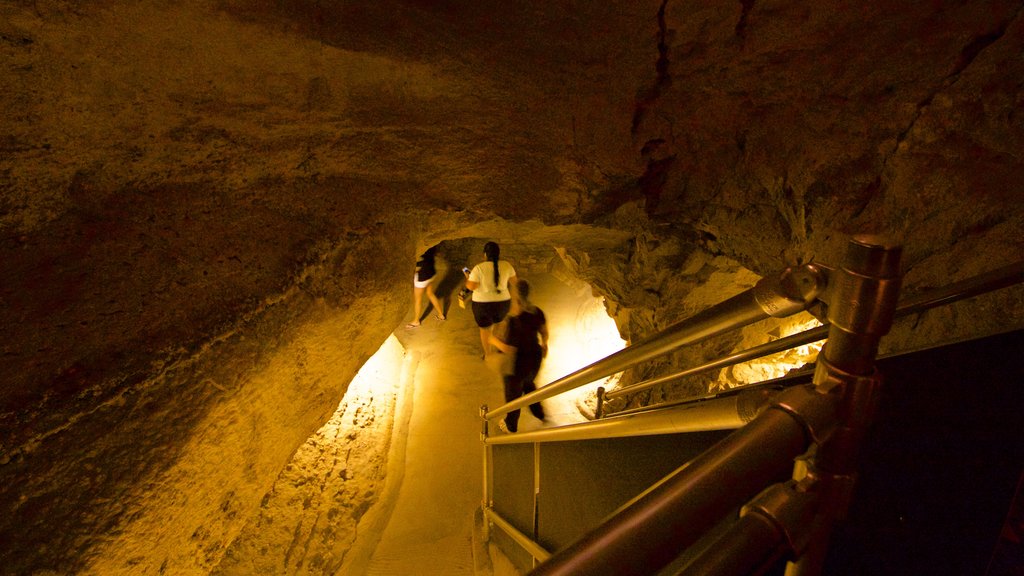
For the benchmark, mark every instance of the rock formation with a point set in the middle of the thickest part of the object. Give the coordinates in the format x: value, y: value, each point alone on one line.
x: 195, y: 196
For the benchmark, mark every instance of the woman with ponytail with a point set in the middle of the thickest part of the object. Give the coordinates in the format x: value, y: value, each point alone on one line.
x: 490, y: 282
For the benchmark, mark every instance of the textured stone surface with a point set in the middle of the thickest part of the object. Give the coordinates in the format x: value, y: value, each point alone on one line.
x: 193, y: 194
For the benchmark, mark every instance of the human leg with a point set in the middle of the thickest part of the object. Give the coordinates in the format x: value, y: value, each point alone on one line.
x: 484, y: 320
x: 487, y: 314
x: 417, y: 300
x: 528, y: 386
x: 485, y: 340
x: 438, y: 309
x: 513, y: 390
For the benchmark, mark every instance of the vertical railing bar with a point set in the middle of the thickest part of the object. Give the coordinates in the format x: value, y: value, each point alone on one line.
x: 487, y: 472
x: 866, y: 292
x: 536, y: 494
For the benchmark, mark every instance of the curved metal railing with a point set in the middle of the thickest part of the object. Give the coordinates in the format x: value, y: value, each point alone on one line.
x: 773, y: 427
x: 994, y: 280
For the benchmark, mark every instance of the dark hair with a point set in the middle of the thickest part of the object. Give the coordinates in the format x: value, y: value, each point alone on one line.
x: 523, y: 289
x: 491, y: 250
x: 523, y: 296
x: 426, y: 267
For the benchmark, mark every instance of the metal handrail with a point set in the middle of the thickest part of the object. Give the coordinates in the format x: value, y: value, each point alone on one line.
x: 794, y: 290
x: 830, y: 412
x: 718, y: 414
x: 983, y: 283
x: 802, y: 373
x: 773, y: 347
x: 531, y: 546
x: 991, y: 281
x: 695, y: 497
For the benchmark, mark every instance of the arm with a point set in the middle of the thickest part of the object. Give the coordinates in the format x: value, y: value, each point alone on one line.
x: 470, y: 284
x: 543, y: 332
x: 497, y: 343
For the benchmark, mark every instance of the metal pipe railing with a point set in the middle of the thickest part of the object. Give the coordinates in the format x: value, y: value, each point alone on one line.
x: 833, y: 413
x: 1002, y: 277
x: 695, y: 497
x: 865, y: 295
x: 797, y: 518
x: 793, y: 291
x: 680, y: 509
x: 532, y: 547
x: 773, y: 347
x: 718, y: 414
x: 990, y: 281
x: 769, y: 527
x: 776, y: 384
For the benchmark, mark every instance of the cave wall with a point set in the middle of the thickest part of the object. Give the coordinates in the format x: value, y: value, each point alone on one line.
x: 209, y: 210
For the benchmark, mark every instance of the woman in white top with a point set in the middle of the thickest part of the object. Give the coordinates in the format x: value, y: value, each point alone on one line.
x: 490, y: 282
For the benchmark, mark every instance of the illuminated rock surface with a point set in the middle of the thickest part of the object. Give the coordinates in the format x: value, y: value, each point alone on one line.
x: 210, y: 210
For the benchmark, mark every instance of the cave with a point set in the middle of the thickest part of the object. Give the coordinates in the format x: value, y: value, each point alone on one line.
x: 210, y: 214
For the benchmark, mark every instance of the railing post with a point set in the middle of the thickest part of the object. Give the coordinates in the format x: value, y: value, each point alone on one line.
x: 861, y: 309
x: 485, y: 502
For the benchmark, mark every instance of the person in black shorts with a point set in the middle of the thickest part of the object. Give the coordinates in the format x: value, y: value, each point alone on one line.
x: 490, y: 282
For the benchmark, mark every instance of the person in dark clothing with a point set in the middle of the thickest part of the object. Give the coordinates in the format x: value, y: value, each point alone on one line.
x: 526, y: 337
x: 423, y: 282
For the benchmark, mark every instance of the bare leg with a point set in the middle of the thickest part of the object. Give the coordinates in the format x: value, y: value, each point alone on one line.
x: 417, y: 298
x: 433, y: 300
x: 485, y: 339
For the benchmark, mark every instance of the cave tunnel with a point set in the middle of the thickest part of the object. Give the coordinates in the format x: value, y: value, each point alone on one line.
x: 210, y: 213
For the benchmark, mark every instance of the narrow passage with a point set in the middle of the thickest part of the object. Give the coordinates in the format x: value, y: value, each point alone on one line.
x: 429, y: 524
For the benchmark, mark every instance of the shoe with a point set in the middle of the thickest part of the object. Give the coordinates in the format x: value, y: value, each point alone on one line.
x: 503, y: 427
x: 439, y: 317
x: 411, y: 326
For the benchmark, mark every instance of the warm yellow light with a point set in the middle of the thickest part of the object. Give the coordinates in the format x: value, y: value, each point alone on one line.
x: 373, y: 389
x: 775, y: 365
x: 381, y: 373
x: 581, y: 334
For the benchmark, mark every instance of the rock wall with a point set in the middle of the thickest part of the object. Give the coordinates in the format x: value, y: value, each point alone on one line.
x: 195, y: 197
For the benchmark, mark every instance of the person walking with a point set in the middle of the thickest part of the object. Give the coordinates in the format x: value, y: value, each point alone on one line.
x: 423, y: 282
x: 490, y: 281
x: 526, y: 338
